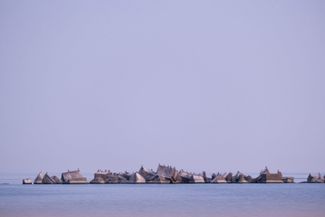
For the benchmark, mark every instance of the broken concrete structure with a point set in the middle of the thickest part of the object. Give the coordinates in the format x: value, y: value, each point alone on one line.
x: 73, y: 177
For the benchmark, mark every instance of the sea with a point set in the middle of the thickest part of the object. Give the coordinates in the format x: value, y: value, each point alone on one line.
x: 165, y: 200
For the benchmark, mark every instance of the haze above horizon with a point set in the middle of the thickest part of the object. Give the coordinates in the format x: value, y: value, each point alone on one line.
x: 200, y: 85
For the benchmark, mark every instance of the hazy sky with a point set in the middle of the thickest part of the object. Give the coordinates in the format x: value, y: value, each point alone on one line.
x: 214, y: 85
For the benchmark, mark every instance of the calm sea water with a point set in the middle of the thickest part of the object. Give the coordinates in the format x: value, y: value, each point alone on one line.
x: 163, y: 200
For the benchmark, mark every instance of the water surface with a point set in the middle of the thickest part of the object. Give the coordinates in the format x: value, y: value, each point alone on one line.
x: 163, y: 200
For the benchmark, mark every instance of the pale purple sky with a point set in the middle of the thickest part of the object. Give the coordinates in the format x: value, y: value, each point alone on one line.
x: 214, y: 85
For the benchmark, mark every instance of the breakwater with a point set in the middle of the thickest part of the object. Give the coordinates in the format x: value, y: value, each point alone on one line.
x: 166, y: 175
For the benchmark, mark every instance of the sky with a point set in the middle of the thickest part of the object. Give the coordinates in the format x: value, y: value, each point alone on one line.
x: 200, y: 85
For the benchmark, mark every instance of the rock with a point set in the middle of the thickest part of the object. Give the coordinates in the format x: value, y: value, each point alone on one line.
x: 136, y: 178
x: 249, y: 179
x: 163, y: 175
x: 218, y: 179
x: 73, y: 177
x: 229, y: 177
x: 117, y: 178
x: 125, y: 175
x: 102, y: 177
x: 42, y: 178
x: 146, y: 173
x: 184, y: 177
x: 149, y: 175
x: 206, y: 179
x: 178, y: 179
x: 167, y: 173
x: 48, y: 180
x: 315, y: 178
x: 99, y: 178
x: 267, y: 177
x: 112, y: 178
x: 239, y: 178
x: 288, y: 180
x: 197, y: 179
x: 56, y: 179
x: 107, y: 177
x: 158, y: 180
x: 39, y: 178
x: 27, y: 181
x: 123, y: 179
